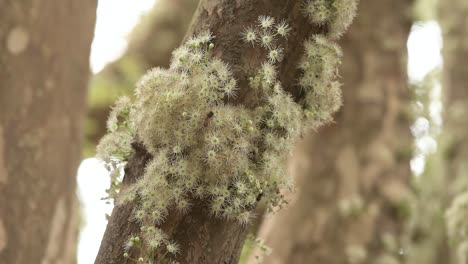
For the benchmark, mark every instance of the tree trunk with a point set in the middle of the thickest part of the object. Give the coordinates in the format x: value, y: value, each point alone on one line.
x: 150, y: 45
x: 45, y: 47
x: 205, y: 239
x: 454, y: 21
x: 353, y: 176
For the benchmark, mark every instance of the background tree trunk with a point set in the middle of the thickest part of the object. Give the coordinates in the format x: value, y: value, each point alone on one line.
x: 454, y: 21
x: 204, y: 239
x: 426, y: 236
x: 353, y: 176
x: 45, y: 47
x: 150, y: 45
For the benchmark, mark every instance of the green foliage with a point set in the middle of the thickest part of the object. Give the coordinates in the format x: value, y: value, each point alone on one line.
x: 108, y: 85
x: 203, y: 147
x: 253, y: 244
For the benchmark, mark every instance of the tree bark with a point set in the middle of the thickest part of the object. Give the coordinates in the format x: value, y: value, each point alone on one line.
x: 150, y: 45
x: 45, y: 47
x: 353, y: 176
x: 206, y: 239
x: 453, y: 16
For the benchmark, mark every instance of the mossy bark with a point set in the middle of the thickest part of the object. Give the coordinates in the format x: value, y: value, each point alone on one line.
x: 205, y: 239
x: 45, y: 47
x: 353, y: 175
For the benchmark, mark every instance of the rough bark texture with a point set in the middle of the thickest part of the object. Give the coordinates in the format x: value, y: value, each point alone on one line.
x: 44, y: 60
x: 205, y: 239
x: 353, y: 176
x: 150, y: 45
x: 454, y: 22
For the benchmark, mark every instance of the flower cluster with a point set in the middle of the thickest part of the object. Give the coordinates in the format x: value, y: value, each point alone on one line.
x: 336, y: 14
x: 115, y: 147
x: 320, y: 71
x: 267, y: 34
x: 205, y: 149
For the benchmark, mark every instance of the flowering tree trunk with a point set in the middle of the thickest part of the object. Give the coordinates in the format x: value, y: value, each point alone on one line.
x: 353, y: 175
x: 45, y: 47
x: 454, y: 22
x: 204, y: 238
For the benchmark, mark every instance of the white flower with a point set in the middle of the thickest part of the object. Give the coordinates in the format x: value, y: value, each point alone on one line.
x: 172, y: 248
x: 205, y: 37
x: 197, y: 56
x: 269, y: 72
x: 181, y: 53
x: 283, y: 28
x: 267, y: 39
x: 245, y: 218
x: 230, y: 88
x: 275, y: 55
x: 249, y: 35
x: 266, y: 21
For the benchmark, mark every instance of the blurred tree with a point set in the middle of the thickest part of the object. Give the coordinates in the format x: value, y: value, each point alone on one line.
x: 454, y: 22
x: 150, y: 45
x: 204, y: 238
x: 353, y: 176
x: 425, y: 236
x: 45, y: 47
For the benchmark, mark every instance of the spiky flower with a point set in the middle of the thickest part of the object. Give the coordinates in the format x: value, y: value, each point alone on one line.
x: 267, y: 39
x: 249, y: 35
x: 283, y: 29
x: 269, y: 72
x: 275, y: 55
x: 337, y: 14
x: 266, y: 22
x: 245, y: 218
x: 173, y: 248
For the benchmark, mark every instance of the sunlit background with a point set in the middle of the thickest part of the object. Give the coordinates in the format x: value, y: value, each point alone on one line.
x: 115, y: 20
